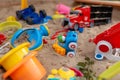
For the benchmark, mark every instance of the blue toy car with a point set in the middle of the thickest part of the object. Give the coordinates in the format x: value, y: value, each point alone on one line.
x: 69, y: 42
x: 31, y: 17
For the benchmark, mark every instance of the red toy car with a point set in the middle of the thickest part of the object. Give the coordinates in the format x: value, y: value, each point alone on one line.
x: 78, y: 19
x: 107, y: 42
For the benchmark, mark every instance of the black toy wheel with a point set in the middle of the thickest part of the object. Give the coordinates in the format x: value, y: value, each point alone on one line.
x: 29, y: 20
x: 32, y: 7
x: 43, y: 13
x: 65, y: 22
x: 19, y: 15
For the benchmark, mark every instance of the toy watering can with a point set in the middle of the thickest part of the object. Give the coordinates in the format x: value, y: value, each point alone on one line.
x: 33, y: 34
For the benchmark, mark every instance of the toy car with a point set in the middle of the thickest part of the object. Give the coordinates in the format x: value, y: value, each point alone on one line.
x: 33, y: 34
x: 78, y: 19
x: 31, y: 17
x: 87, y: 16
x: 67, y: 45
x: 107, y: 42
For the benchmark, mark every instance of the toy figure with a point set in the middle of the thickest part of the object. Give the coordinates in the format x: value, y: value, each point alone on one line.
x: 66, y: 45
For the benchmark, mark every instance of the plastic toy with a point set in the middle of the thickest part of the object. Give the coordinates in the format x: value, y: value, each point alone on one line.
x: 24, y: 4
x: 87, y: 16
x: 33, y: 34
x: 78, y: 19
x: 107, y: 42
x: 63, y: 73
x: 11, y: 18
x: 31, y: 17
x: 14, y: 56
x: 10, y: 24
x: 28, y: 68
x: 66, y: 45
x: 2, y: 38
x: 63, y: 9
x: 110, y: 72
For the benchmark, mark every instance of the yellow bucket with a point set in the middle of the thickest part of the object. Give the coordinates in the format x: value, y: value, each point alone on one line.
x: 14, y: 56
x: 9, y: 24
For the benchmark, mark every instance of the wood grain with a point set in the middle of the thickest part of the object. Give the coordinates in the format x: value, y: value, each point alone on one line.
x: 99, y: 2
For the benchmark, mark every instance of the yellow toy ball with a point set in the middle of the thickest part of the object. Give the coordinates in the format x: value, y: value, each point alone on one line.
x: 54, y: 71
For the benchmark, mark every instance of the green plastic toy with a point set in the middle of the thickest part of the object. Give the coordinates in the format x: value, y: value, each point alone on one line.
x: 110, y: 72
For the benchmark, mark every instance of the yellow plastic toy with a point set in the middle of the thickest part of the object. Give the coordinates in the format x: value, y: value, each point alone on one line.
x: 110, y: 72
x: 58, y: 16
x: 59, y: 49
x: 11, y: 18
x: 10, y: 23
x: 66, y: 73
x: 63, y: 73
x: 24, y: 4
x: 14, y: 56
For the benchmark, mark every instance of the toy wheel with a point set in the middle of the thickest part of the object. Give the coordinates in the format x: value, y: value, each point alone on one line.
x: 76, y: 26
x: 72, y: 45
x: 92, y: 24
x: 43, y: 13
x: 104, y: 47
x: 65, y: 22
x: 71, y: 54
x: 29, y: 21
x: 19, y: 15
x: 32, y: 7
x: 81, y: 29
x: 99, y: 56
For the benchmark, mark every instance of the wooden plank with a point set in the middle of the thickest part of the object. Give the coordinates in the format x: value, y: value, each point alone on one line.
x: 99, y: 2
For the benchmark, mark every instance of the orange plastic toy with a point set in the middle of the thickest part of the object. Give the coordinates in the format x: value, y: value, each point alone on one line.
x: 59, y: 49
x: 24, y: 4
x: 28, y: 69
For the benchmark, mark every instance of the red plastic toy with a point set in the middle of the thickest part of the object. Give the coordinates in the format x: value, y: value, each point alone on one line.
x: 79, y: 18
x: 108, y: 41
x: 2, y: 38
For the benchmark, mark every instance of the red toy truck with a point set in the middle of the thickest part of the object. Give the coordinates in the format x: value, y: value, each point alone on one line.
x: 78, y: 19
x: 87, y: 16
x: 107, y: 42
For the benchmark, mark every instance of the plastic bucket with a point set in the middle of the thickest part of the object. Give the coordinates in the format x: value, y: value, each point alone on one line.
x: 28, y: 69
x: 14, y: 56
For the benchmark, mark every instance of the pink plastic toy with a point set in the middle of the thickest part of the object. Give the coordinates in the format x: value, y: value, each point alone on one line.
x: 63, y: 9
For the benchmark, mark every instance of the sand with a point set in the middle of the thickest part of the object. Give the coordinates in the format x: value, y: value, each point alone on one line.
x: 47, y: 56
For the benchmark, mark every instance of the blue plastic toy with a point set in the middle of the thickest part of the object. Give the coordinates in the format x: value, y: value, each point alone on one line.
x: 31, y: 17
x: 67, y: 44
x: 34, y: 34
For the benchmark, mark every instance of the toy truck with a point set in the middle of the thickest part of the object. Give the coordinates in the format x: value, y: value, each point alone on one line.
x: 66, y: 45
x: 87, y: 16
x: 108, y: 44
x: 31, y: 17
